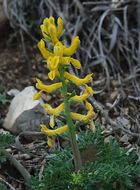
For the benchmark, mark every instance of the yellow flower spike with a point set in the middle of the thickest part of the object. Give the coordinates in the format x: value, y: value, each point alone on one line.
x: 51, y: 132
x: 45, y: 53
x: 37, y: 95
x: 48, y: 88
x: 74, y: 45
x: 60, y: 26
x: 76, y: 63
x: 77, y: 80
x: 53, y: 33
x: 50, y: 142
x: 58, y: 49
x: 52, y: 121
x: 54, y: 111
x: 92, y: 126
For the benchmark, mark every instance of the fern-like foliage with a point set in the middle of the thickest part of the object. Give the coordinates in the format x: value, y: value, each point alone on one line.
x: 5, y: 141
x: 114, y: 170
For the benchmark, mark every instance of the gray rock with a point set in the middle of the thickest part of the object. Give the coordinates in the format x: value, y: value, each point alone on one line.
x: 25, y: 114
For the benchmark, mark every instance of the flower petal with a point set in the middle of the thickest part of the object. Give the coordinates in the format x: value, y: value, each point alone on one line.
x: 54, y: 111
x: 58, y: 49
x: 37, y: 95
x: 46, y: 54
x: 81, y: 98
x: 50, y: 142
x: 76, y: 80
x: 53, y: 33
x: 76, y: 63
x: 52, y: 121
x: 60, y: 26
x: 74, y: 45
x: 48, y: 88
x: 51, y: 132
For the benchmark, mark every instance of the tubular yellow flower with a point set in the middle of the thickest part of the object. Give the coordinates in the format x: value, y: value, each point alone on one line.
x: 48, y: 88
x: 51, y: 19
x: 51, y: 132
x: 77, y: 80
x: 74, y: 45
x: 54, y: 111
x: 50, y: 142
x: 84, y: 118
x: 37, y: 95
x: 65, y: 60
x: 60, y: 26
x: 44, y: 31
x: 89, y: 90
x: 53, y: 63
x: 58, y: 49
x: 76, y: 63
x: 45, y: 53
x: 79, y: 99
x: 88, y: 106
x: 53, y: 33
x: 52, y: 121
x: 53, y: 74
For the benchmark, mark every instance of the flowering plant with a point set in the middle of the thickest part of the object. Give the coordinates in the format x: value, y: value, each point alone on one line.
x: 59, y: 58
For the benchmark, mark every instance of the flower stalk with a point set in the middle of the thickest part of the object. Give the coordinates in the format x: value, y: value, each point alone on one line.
x: 74, y: 145
x: 59, y: 58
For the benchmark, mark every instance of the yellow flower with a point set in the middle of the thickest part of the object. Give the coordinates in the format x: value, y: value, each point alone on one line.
x: 53, y: 63
x: 84, y: 118
x: 60, y: 26
x: 52, y: 121
x: 74, y: 45
x: 58, y: 49
x: 79, y: 99
x: 48, y: 88
x: 79, y: 117
x: 50, y: 21
x: 87, y: 92
x: 65, y: 60
x: 37, y: 95
x: 54, y: 111
x: 46, y: 54
x: 50, y: 142
x: 51, y: 132
x: 53, y: 33
x: 76, y: 63
x: 76, y: 80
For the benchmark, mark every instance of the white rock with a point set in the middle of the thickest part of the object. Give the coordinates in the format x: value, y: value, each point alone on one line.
x: 13, y: 92
x: 20, y: 103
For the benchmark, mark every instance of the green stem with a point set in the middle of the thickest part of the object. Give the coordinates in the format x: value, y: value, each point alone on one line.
x: 74, y: 145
